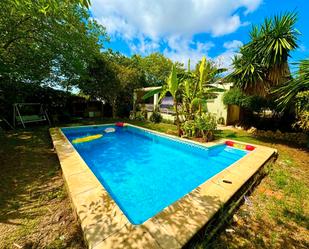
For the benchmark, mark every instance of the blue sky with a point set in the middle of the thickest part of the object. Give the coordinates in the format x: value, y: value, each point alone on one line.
x: 182, y: 29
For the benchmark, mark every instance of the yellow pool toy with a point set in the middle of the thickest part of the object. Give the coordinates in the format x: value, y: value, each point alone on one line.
x: 86, y: 139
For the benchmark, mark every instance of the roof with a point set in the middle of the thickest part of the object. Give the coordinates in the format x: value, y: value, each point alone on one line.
x: 147, y: 89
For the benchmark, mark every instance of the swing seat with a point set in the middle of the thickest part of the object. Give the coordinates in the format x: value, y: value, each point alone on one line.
x: 30, y: 118
x: 38, y: 116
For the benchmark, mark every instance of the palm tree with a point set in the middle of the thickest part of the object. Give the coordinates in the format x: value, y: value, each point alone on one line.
x: 263, y: 62
x: 248, y: 75
x: 295, y: 94
x: 287, y: 93
x: 199, y: 86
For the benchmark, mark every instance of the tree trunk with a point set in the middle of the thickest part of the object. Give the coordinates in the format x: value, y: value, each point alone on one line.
x: 177, y: 117
x: 114, y: 108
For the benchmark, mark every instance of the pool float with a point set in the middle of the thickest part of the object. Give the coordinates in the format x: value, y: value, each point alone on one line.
x: 86, y: 139
x: 240, y: 146
x: 120, y: 124
x: 109, y: 130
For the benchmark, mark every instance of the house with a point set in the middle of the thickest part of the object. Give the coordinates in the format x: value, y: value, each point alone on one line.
x: 225, y: 114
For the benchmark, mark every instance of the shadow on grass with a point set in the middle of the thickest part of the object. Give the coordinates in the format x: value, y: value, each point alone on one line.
x: 30, y: 188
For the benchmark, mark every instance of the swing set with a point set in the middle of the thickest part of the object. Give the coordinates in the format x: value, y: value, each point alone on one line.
x: 24, y: 113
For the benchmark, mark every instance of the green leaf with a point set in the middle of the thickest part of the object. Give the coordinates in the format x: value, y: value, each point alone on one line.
x: 151, y: 93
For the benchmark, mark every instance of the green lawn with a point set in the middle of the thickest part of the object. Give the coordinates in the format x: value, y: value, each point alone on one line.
x: 35, y: 210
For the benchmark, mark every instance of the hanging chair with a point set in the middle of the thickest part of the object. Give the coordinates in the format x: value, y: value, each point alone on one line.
x: 29, y: 113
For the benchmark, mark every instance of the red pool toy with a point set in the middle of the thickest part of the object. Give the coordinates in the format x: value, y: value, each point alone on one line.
x: 250, y: 147
x: 240, y: 146
x: 229, y: 143
x: 120, y: 124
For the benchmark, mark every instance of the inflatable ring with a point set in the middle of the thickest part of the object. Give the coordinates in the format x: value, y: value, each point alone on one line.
x: 109, y: 130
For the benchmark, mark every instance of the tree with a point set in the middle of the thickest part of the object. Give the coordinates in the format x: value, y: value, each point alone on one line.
x: 191, y: 89
x: 171, y: 86
x: 156, y: 68
x: 112, y: 78
x: 263, y: 62
x: 199, y: 86
x: 296, y: 93
x: 47, y: 41
x: 300, y: 83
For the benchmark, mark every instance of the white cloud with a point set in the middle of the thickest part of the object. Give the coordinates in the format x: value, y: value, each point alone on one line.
x: 232, y: 49
x: 146, y: 25
x: 144, y: 46
x: 233, y: 45
x: 181, y: 49
x: 156, y: 19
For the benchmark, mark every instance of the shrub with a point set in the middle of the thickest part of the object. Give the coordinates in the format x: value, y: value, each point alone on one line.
x: 234, y: 97
x: 156, y: 117
x: 189, y: 128
x: 254, y: 103
x: 221, y: 121
x: 302, y: 105
x: 206, y: 125
x: 140, y: 116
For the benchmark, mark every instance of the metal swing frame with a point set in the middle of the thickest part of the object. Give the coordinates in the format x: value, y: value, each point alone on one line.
x: 23, y: 119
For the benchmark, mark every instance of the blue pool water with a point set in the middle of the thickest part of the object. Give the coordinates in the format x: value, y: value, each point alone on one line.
x: 145, y: 172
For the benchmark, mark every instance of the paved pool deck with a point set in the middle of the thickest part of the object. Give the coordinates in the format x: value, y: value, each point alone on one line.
x: 105, y: 226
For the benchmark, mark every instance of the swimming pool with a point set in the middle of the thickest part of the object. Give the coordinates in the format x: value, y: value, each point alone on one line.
x: 145, y: 172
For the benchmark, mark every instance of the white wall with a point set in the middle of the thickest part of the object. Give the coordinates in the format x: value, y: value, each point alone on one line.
x: 216, y: 105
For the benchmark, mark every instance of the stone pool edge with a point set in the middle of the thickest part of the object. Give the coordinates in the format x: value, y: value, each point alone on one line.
x: 105, y: 226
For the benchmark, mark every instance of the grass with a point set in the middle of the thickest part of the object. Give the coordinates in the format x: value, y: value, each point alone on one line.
x: 34, y: 208
x: 35, y: 211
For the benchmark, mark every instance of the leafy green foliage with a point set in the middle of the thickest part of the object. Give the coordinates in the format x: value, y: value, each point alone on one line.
x: 189, y: 128
x: 47, y: 41
x: 112, y: 78
x: 302, y: 105
x: 254, y: 103
x: 287, y: 93
x: 191, y: 89
x: 296, y: 92
x: 156, y: 68
x: 263, y: 62
x: 156, y: 117
x: 203, y: 126
x: 234, y: 97
x: 206, y: 125
x: 140, y: 116
x: 199, y: 86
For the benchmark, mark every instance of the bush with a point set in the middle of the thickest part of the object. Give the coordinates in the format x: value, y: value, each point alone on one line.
x: 140, y: 116
x: 156, y: 117
x: 189, y: 128
x: 221, y: 121
x: 302, y: 106
x: 203, y: 126
x: 206, y: 125
x: 234, y: 97
x: 253, y: 103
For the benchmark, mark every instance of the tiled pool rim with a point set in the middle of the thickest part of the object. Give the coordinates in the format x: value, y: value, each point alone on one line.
x: 105, y: 226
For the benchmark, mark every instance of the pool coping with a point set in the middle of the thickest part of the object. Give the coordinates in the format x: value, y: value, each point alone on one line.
x: 105, y: 226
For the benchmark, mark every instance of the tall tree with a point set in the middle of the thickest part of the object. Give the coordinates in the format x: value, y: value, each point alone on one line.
x: 199, y: 86
x: 46, y: 41
x: 263, y: 62
x: 156, y: 68
x: 295, y: 93
x: 112, y: 78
